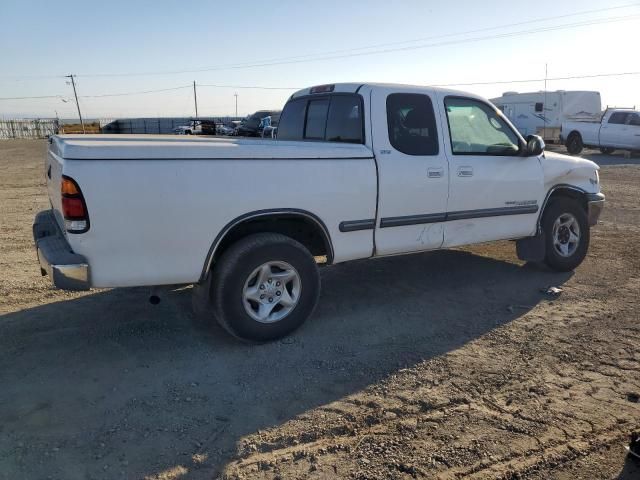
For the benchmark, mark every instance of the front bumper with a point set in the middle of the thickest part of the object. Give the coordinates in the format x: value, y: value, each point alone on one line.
x: 595, y: 204
x: 68, y: 270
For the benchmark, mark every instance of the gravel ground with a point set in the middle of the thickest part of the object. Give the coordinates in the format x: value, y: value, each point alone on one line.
x: 443, y: 365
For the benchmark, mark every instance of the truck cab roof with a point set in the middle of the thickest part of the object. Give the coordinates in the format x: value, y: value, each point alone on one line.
x: 352, y: 87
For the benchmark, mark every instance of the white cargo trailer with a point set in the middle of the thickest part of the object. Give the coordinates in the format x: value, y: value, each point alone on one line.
x: 542, y: 113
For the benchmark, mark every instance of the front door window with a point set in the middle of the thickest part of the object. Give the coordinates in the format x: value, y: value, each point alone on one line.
x: 478, y: 129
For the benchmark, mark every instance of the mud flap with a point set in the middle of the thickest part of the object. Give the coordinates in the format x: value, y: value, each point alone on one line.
x: 531, y: 249
x: 201, y: 296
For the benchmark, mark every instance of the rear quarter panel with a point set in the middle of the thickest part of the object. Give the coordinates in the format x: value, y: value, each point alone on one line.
x: 154, y: 221
x: 588, y: 130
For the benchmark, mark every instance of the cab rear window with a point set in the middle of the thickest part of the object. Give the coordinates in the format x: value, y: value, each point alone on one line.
x: 333, y: 118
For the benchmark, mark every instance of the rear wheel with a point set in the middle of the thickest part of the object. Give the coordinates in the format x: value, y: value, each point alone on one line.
x: 264, y: 287
x: 574, y: 143
x: 566, y: 232
x: 607, y: 150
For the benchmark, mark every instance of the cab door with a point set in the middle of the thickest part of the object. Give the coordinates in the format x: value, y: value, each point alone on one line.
x: 633, y: 131
x: 495, y: 193
x: 413, y: 172
x: 613, y: 131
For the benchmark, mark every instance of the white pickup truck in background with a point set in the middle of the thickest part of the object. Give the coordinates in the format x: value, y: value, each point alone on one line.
x: 618, y: 129
x: 357, y: 171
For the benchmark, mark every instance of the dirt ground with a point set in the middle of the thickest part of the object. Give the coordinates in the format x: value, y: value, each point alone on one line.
x: 445, y: 365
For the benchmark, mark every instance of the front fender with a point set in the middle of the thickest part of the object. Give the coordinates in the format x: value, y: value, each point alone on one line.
x: 572, y: 172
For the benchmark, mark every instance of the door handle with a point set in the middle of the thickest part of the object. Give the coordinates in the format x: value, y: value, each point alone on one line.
x: 435, y: 172
x: 465, y: 171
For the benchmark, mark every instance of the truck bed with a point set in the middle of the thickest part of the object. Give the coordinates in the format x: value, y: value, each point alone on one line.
x: 147, y: 194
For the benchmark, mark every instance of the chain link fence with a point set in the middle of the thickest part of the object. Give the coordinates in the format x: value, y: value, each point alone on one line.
x: 35, y: 128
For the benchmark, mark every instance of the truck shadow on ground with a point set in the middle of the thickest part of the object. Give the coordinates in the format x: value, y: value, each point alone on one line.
x: 110, y: 386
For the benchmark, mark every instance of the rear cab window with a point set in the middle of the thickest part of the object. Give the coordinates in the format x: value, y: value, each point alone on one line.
x: 618, y: 118
x: 330, y: 118
x: 411, y: 123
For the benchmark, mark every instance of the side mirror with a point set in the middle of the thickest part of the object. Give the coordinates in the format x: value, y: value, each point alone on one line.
x: 535, y: 145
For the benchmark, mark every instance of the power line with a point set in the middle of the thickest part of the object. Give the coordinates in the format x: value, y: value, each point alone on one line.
x: 439, y: 44
x: 434, y: 37
x: 136, y: 93
x: 100, y: 96
x: 143, y: 92
x: 249, y: 86
x: 357, y: 51
x: 32, y: 98
x: 324, y: 57
x: 493, y: 82
x: 529, y: 80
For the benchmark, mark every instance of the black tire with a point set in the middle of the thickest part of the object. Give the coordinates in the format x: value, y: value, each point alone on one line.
x: 234, y: 268
x: 188, y: 132
x: 574, y: 143
x: 554, y: 210
x: 607, y: 150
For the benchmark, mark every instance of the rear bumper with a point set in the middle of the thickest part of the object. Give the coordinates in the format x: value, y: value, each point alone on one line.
x: 595, y: 204
x: 68, y: 270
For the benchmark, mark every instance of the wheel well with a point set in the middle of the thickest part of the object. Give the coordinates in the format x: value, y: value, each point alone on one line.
x: 563, y: 192
x: 573, y: 134
x: 303, y: 228
x: 566, y: 192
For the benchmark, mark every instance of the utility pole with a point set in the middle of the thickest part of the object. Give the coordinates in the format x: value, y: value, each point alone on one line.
x: 73, y: 83
x: 236, y: 95
x: 544, y: 105
x: 195, y: 97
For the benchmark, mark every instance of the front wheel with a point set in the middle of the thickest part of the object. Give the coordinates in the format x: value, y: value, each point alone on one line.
x: 607, y: 150
x: 566, y: 232
x: 264, y: 287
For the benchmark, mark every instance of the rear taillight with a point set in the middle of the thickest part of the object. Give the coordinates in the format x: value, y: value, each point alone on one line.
x: 74, y: 208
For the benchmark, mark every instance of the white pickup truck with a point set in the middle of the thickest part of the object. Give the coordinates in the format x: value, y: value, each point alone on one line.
x: 194, y: 128
x: 358, y: 171
x: 618, y: 129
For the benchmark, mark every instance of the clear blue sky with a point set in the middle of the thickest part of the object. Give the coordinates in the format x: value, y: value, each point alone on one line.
x: 44, y: 38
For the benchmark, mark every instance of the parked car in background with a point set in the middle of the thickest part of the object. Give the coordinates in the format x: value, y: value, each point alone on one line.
x: 617, y: 129
x: 252, y: 127
x: 225, y: 129
x: 235, y: 124
x: 358, y: 171
x: 542, y: 113
x: 209, y: 127
x: 193, y: 128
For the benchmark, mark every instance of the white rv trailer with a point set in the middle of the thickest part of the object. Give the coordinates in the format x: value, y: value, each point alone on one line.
x: 542, y: 113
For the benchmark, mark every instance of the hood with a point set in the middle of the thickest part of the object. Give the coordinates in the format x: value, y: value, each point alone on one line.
x: 564, y: 169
